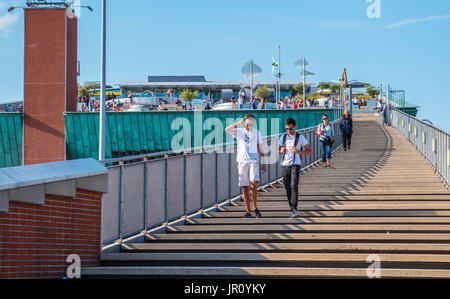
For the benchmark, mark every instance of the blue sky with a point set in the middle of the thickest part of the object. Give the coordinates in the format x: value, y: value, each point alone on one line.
x: 408, y: 47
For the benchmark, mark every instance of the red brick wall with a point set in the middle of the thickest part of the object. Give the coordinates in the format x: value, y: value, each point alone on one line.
x: 72, y: 64
x: 46, y: 86
x: 35, y: 240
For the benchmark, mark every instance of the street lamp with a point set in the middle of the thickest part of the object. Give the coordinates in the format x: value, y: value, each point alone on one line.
x: 31, y: 4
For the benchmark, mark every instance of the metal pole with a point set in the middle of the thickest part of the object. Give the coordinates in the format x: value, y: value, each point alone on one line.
x: 279, y: 72
x: 251, y: 82
x: 120, y: 201
x: 304, y: 82
x: 388, y: 109
x: 145, y: 195
x: 350, y: 92
x: 101, y: 150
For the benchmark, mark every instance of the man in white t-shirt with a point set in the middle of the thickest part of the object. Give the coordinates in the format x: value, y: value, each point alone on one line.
x: 290, y: 146
x: 240, y: 102
x: 249, y: 152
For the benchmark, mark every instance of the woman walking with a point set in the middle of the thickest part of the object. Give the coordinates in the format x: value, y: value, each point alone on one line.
x: 346, y: 130
x: 326, y: 135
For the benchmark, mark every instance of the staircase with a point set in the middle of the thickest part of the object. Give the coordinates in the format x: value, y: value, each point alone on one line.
x: 380, y: 201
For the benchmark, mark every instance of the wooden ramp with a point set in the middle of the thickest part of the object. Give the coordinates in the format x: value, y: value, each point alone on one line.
x: 379, y: 200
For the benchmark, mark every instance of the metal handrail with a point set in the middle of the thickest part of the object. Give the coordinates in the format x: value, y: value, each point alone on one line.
x: 436, y: 153
x: 422, y: 122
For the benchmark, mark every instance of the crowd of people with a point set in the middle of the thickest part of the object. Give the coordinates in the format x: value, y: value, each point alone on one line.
x: 296, y: 103
x: 288, y: 102
x: 92, y: 104
x: 11, y: 108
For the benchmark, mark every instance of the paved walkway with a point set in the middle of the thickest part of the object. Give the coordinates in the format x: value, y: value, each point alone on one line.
x: 379, y: 198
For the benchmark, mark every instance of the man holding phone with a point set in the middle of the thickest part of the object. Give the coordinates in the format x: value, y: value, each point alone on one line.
x: 249, y: 152
x: 291, y: 146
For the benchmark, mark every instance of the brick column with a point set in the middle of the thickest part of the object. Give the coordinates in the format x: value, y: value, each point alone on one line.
x: 50, y: 82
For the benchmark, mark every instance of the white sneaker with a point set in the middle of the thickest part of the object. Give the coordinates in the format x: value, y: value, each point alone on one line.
x: 294, y: 214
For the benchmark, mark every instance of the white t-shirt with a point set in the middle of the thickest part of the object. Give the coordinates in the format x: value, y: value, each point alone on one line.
x: 247, y: 144
x: 289, y: 156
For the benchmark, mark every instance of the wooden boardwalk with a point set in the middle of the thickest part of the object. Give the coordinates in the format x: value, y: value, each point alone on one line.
x: 379, y: 198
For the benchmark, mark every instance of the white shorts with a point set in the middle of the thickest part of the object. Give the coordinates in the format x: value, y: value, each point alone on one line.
x: 248, y: 172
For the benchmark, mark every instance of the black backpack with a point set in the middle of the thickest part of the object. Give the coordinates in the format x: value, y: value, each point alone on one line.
x: 297, y: 138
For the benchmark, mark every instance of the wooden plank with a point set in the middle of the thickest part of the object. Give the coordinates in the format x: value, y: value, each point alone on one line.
x: 322, y: 220
x: 302, y: 237
x: 310, y: 227
x: 278, y: 272
x: 435, y: 248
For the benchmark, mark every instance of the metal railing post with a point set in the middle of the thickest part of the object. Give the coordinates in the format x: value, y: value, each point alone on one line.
x: 184, y: 185
x: 166, y: 212
x: 216, y: 180
x: 201, y: 182
x: 120, y: 200
x: 145, y: 194
x: 229, y: 177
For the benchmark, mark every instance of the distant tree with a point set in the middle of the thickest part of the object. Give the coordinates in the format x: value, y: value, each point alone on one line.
x: 262, y: 92
x: 94, y: 85
x: 323, y: 85
x: 334, y: 88
x: 188, y: 95
x: 299, y: 88
x: 372, y: 92
x: 82, y: 91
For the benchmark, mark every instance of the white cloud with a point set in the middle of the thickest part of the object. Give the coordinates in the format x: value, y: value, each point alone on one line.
x: 7, y: 21
x: 420, y: 20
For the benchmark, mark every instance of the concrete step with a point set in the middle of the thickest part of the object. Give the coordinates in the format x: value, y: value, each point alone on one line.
x: 392, y: 237
x: 278, y: 228
x: 274, y: 258
x: 391, y: 197
x: 321, y: 220
x: 347, y: 207
x: 249, y: 272
x: 365, y: 191
x: 427, y: 248
x: 306, y: 179
x: 304, y: 203
x: 342, y: 213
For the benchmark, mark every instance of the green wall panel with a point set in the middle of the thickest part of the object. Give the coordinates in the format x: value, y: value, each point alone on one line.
x: 11, y: 132
x: 132, y: 133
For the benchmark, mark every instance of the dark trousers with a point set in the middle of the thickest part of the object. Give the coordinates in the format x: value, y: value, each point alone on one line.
x: 347, y: 140
x: 291, y: 177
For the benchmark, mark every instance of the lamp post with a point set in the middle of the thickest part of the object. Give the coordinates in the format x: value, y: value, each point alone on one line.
x: 279, y: 72
x: 102, y: 122
x: 31, y: 4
